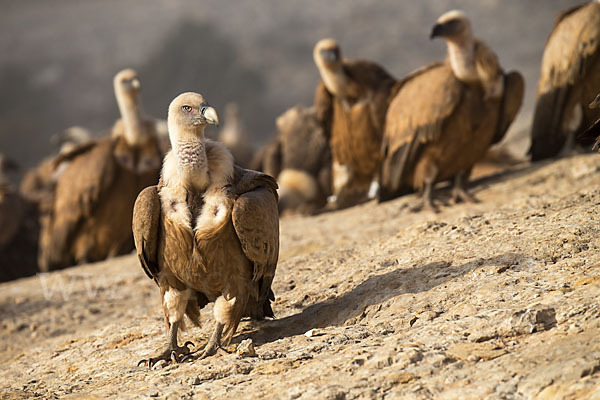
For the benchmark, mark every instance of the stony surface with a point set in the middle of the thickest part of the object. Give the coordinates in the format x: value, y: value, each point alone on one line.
x: 496, y: 300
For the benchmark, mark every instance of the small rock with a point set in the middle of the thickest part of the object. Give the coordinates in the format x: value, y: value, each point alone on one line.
x: 195, y: 381
x: 246, y: 349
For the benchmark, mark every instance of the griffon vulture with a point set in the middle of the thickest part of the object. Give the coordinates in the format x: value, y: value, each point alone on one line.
x: 351, y: 101
x: 208, y: 232
x: 232, y: 135
x: 445, y: 116
x: 90, y: 216
x: 299, y: 157
x: 569, y: 80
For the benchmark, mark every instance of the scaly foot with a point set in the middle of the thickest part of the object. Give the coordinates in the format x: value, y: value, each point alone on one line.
x: 174, y: 355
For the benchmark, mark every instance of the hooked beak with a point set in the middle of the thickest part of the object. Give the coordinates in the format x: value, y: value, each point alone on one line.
x: 436, y: 31
x: 210, y: 115
x: 135, y: 83
x: 596, y: 102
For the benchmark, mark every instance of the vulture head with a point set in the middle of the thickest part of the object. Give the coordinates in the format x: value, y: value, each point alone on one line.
x: 127, y: 83
x: 453, y: 26
x: 327, y: 54
x: 189, y: 114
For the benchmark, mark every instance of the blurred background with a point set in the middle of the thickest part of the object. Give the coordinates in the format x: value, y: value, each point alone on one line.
x: 59, y: 57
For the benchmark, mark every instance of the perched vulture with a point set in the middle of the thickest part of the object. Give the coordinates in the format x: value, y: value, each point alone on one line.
x: 351, y: 101
x: 208, y: 232
x: 569, y: 80
x: 90, y: 214
x: 445, y: 116
x: 299, y: 157
x: 592, y: 134
x: 233, y: 135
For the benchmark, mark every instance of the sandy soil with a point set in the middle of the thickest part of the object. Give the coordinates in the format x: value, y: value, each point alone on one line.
x: 496, y: 300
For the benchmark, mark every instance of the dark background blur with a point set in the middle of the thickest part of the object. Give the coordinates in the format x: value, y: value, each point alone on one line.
x: 59, y: 56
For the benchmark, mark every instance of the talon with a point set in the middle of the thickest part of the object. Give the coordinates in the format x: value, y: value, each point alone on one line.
x: 189, y: 343
x: 174, y: 357
x: 185, y: 358
x: 144, y: 361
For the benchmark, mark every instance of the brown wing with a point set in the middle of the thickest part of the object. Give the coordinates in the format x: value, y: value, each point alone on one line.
x: 514, y: 88
x: 256, y: 222
x: 146, y: 220
x: 78, y: 191
x: 424, y: 101
x: 572, y: 48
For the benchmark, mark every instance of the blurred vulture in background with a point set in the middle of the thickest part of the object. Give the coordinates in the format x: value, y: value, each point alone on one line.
x: 569, y: 80
x: 18, y: 229
x: 445, y: 116
x: 234, y: 136
x: 300, y: 159
x: 90, y: 215
x: 351, y: 101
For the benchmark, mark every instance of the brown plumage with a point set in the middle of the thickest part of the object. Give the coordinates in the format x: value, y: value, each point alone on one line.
x: 299, y: 157
x: 569, y: 80
x: 445, y: 116
x: 208, y: 232
x: 90, y: 215
x: 351, y: 101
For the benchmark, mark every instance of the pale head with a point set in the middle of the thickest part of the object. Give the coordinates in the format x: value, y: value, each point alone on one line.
x: 327, y: 54
x: 127, y: 82
x: 189, y: 113
x: 452, y: 26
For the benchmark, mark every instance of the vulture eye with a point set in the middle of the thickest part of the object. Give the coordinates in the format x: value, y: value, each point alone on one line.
x: 186, y: 108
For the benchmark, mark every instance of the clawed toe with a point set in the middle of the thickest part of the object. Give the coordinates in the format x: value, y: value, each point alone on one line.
x: 175, y: 356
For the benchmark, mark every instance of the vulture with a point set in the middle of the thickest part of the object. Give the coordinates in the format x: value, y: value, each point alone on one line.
x: 592, y: 134
x: 90, y: 215
x: 208, y: 232
x: 444, y: 116
x: 569, y: 80
x: 232, y: 136
x: 351, y: 101
x: 300, y: 158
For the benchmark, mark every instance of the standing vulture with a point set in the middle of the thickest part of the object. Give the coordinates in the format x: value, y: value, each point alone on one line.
x: 299, y: 157
x: 208, y: 232
x: 351, y: 101
x: 445, y: 116
x: 569, y: 80
x: 90, y: 215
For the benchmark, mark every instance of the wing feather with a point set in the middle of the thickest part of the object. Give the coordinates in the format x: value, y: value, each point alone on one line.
x: 514, y: 88
x: 145, y: 225
x: 572, y: 49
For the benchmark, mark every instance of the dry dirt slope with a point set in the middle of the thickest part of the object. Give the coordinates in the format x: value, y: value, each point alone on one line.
x: 492, y: 301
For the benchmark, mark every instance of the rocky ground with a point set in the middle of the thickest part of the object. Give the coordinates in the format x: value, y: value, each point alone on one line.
x: 496, y: 300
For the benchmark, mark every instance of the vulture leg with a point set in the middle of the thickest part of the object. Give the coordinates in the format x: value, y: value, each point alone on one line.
x: 429, y: 179
x: 173, y: 352
x: 459, y: 192
x: 228, y: 314
x: 213, y: 343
